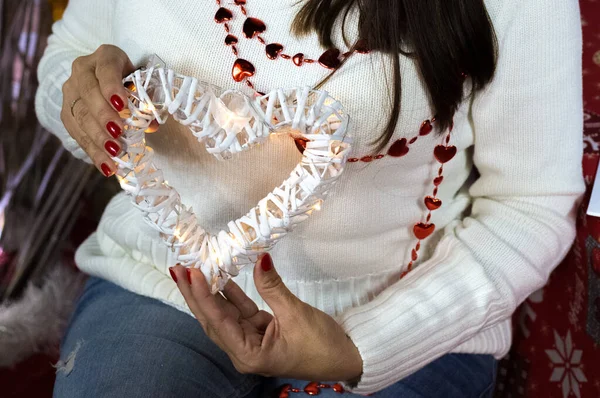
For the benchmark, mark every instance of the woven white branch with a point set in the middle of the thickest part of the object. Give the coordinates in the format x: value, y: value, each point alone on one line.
x: 229, y: 122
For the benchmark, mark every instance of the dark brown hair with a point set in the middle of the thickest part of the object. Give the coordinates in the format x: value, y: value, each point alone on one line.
x: 447, y: 38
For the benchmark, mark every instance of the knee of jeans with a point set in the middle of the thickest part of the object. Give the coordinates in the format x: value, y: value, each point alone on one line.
x: 65, y: 365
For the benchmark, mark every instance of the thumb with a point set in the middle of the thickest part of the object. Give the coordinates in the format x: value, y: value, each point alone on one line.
x: 271, y: 288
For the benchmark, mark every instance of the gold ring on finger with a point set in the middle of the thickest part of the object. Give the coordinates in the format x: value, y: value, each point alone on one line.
x: 73, y: 105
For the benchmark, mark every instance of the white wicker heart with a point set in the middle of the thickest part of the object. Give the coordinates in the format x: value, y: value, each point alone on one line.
x: 228, y: 122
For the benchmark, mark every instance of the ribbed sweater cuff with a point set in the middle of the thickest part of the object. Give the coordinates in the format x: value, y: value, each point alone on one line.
x: 421, y: 324
x: 49, y: 98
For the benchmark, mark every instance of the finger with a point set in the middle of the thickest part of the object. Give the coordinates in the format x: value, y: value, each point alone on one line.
x: 225, y: 326
x: 237, y: 297
x: 246, y: 306
x: 179, y: 275
x: 261, y: 320
x: 88, y: 89
x: 112, y: 66
x: 272, y: 289
x: 255, y: 337
x: 87, y: 123
x: 228, y: 307
x: 99, y: 157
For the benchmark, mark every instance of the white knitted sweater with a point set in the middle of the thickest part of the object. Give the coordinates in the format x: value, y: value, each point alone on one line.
x: 499, y: 233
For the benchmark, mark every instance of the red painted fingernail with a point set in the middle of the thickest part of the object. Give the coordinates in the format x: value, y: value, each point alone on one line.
x: 189, y: 275
x: 112, y: 148
x: 173, y: 274
x: 114, y: 129
x: 266, y: 263
x: 117, y: 103
x: 106, y: 170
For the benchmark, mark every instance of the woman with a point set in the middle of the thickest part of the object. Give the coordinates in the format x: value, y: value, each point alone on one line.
x: 405, y: 282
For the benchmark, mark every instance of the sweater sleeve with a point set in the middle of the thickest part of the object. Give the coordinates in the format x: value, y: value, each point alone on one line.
x: 86, y: 24
x: 528, y: 148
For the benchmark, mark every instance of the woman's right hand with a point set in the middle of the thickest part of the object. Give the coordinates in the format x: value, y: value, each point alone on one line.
x: 92, y: 98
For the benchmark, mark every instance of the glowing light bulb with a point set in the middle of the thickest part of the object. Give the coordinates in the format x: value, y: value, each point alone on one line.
x: 130, y: 86
x: 152, y: 127
x: 144, y: 107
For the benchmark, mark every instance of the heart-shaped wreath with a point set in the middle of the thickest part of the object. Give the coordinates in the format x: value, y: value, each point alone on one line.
x: 228, y: 122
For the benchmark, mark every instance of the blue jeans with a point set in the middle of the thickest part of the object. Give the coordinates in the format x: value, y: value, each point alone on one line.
x: 120, y: 344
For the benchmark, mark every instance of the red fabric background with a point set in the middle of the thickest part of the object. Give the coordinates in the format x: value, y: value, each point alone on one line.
x: 556, y: 350
x: 590, y: 12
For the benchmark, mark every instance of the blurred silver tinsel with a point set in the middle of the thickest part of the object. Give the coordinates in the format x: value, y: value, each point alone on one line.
x: 49, y: 201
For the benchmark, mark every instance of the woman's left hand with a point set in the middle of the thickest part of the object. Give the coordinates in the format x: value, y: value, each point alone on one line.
x: 298, y: 341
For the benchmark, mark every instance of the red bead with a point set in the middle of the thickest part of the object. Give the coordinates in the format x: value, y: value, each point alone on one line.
x: 379, y: 156
x: 239, y: 2
x: 402, y: 275
x: 223, y: 15
x: 273, y: 50
x: 298, y: 59
x: 252, y: 27
x: 324, y: 385
x: 243, y: 10
x: 418, y: 246
x: 231, y: 40
x: 366, y: 159
x: 413, y: 140
x: 438, y: 180
x: 435, y: 191
x: 448, y: 138
x: 300, y: 144
x: 260, y: 39
x: 234, y: 50
x: 295, y: 390
x: 284, y: 392
x: 426, y: 128
x: 285, y: 56
x: 361, y: 47
x: 428, y: 217
x: 441, y: 170
x: 309, y: 61
x: 312, y: 388
x: 414, y: 255
x: 409, y: 267
x: 422, y: 230
x: 242, y: 69
x: 432, y: 203
x: 226, y: 25
x: 330, y: 59
x: 398, y: 148
x: 443, y: 153
x: 353, y: 160
x: 337, y: 387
